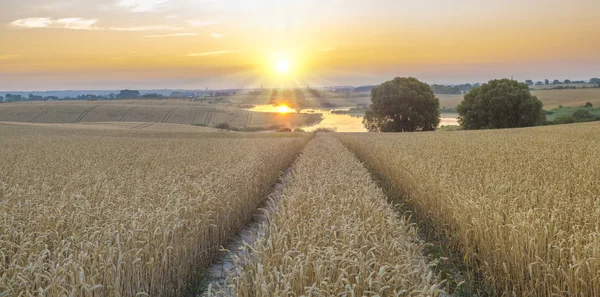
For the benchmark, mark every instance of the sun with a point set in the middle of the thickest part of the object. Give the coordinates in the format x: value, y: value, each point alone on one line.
x: 283, y: 109
x: 282, y: 66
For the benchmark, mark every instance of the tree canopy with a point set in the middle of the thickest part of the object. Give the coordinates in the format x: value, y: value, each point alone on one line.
x: 402, y: 105
x: 128, y: 94
x: 500, y: 104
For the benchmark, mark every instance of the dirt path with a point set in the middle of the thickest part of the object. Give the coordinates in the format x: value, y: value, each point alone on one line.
x: 224, y: 267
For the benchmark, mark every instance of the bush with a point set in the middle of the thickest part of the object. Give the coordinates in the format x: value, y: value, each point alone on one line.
x: 298, y: 130
x: 583, y: 115
x: 325, y: 130
x: 588, y: 105
x: 251, y: 129
x: 564, y: 120
x: 450, y: 128
x: 223, y: 126
x: 284, y: 130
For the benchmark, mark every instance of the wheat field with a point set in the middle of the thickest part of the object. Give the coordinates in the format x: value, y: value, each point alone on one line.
x: 156, y: 111
x: 121, y: 213
x: 333, y: 234
x: 522, y: 204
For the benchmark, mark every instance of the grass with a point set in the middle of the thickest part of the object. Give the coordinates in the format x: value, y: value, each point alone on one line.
x: 125, y: 213
x: 447, y: 128
x: 334, y: 234
x: 520, y: 205
x: 556, y: 113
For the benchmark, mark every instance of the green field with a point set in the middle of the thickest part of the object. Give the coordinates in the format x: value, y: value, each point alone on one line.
x: 550, y: 98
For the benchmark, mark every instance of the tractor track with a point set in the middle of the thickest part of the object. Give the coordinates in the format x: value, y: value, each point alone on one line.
x: 6, y: 109
x: 127, y: 113
x: 85, y: 113
x: 142, y: 126
x: 37, y: 117
x: 249, y: 119
x: 208, y: 118
x: 169, y: 114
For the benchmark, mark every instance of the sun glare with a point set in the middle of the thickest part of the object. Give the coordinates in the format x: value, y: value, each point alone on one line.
x: 282, y: 66
x: 284, y: 109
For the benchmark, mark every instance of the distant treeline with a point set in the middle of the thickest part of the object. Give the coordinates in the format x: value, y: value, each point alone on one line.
x: 593, y: 81
x: 363, y: 89
x: 123, y: 94
x: 453, y: 89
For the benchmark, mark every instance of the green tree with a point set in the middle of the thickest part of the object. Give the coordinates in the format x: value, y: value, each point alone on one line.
x: 128, y: 94
x: 441, y: 89
x: 499, y: 104
x: 529, y: 82
x: 402, y: 105
x: 546, y: 81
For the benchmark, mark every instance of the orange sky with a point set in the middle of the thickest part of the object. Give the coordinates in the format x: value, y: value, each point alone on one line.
x: 153, y: 44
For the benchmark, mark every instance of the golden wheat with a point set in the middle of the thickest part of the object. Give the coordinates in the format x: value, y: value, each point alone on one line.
x: 523, y: 203
x: 333, y: 234
x: 98, y: 213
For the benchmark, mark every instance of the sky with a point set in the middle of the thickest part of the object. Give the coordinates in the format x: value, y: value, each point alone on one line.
x: 197, y: 44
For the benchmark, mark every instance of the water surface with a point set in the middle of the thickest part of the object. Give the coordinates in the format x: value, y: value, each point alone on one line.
x: 343, y: 122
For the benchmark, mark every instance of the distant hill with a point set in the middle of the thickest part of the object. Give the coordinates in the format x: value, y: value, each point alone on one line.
x: 363, y: 89
x: 75, y: 93
x: 148, y: 111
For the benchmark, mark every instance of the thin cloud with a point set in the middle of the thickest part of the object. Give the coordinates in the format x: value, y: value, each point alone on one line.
x: 77, y: 23
x: 83, y: 24
x: 145, y: 28
x: 200, y: 23
x: 33, y: 23
x: 65, y: 23
x: 216, y: 35
x: 215, y: 53
x: 141, y: 5
x: 172, y: 35
x: 8, y: 57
